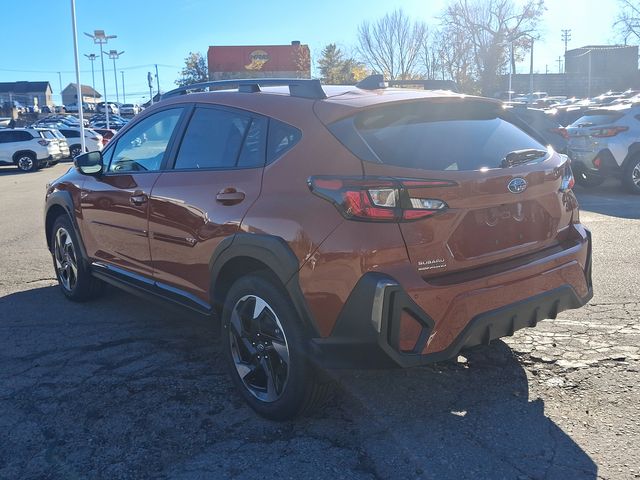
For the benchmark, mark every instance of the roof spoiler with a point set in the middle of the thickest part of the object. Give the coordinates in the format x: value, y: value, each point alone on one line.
x: 298, y: 87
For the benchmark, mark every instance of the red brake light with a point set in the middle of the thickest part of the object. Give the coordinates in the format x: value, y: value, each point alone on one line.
x: 568, y: 181
x: 608, y: 131
x: 378, y: 199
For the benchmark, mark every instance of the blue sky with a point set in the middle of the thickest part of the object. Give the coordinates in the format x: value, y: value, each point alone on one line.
x: 38, y: 42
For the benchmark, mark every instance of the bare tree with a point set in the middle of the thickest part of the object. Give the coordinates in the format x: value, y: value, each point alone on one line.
x: 491, y: 26
x: 455, y: 58
x: 392, y: 45
x: 628, y: 20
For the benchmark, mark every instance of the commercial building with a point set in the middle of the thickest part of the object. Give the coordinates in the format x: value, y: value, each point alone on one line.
x: 254, y: 61
x: 589, y: 71
x: 27, y: 94
x: 89, y: 95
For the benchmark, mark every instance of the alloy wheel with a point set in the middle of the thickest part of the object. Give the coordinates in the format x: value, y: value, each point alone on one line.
x: 25, y: 163
x: 65, y: 258
x: 259, y: 348
x: 75, y: 151
x: 635, y: 175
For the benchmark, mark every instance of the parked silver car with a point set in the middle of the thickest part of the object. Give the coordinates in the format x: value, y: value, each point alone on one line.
x: 606, y: 142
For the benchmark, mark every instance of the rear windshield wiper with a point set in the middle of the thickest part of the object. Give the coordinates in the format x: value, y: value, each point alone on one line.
x: 518, y: 157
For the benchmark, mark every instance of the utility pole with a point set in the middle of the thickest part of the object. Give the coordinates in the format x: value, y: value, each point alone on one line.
x: 546, y: 68
x: 124, y: 97
x: 150, y: 82
x: 157, y: 79
x: 559, y: 60
x: 566, y: 37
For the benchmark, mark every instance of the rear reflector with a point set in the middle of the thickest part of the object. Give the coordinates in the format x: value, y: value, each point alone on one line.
x: 377, y: 199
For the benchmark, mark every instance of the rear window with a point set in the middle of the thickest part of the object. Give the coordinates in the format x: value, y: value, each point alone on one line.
x: 597, y: 119
x: 441, y: 136
x: 47, y: 134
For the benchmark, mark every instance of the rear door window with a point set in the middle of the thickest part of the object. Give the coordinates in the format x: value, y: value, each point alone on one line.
x: 441, y: 136
x: 222, y: 139
x: 282, y: 138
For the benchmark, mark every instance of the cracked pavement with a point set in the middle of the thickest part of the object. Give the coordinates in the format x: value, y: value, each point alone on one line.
x: 121, y: 388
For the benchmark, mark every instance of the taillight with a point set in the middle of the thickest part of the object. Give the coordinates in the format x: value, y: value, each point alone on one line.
x: 607, y: 131
x: 567, y: 178
x: 560, y: 131
x: 44, y: 143
x: 377, y: 199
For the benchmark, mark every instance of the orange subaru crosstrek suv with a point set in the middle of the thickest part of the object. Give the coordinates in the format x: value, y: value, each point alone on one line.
x: 326, y: 226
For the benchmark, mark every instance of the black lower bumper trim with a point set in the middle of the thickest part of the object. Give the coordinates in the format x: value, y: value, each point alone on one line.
x: 364, y: 352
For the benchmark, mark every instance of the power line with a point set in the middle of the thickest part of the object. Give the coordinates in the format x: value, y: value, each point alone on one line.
x: 133, y: 67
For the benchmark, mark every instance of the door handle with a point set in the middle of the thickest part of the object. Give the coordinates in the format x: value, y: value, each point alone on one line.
x: 230, y: 196
x: 138, y: 198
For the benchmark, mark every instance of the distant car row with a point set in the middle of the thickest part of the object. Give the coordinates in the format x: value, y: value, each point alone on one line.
x: 115, y: 108
x: 601, y: 135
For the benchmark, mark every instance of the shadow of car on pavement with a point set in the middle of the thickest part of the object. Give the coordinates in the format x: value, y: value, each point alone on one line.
x: 120, y: 387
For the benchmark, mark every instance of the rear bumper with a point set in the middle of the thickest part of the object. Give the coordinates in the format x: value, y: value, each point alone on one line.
x: 582, y: 160
x: 369, y: 330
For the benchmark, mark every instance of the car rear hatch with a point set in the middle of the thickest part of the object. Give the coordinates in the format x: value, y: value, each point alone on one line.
x: 495, y: 191
x: 587, y: 132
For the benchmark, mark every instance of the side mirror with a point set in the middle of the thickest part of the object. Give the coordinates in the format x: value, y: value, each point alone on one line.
x: 89, y: 163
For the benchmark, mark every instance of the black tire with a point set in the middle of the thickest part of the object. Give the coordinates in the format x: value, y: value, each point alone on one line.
x: 588, y: 180
x: 304, y: 389
x: 27, y: 162
x: 74, y: 151
x: 631, y: 175
x: 76, y: 282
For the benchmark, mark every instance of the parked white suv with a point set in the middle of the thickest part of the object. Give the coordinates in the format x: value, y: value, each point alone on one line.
x: 129, y: 109
x: 606, y: 142
x: 27, y: 148
x: 92, y: 139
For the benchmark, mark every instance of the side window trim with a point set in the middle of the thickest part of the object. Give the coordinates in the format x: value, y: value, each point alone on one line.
x: 180, y: 125
x: 251, y: 116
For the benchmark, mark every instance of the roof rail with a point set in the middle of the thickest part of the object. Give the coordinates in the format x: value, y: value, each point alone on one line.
x: 298, y: 87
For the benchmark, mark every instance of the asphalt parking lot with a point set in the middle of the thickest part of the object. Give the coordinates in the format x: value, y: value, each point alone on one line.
x: 120, y: 388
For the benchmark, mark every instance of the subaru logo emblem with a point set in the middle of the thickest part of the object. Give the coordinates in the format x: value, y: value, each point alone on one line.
x: 517, y: 185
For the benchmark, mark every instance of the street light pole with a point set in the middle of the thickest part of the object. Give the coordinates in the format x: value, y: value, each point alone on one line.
x: 124, y: 97
x: 92, y: 57
x: 101, y: 38
x: 589, y: 81
x: 78, y: 85
x: 114, y: 55
x: 531, y: 74
x: 510, y: 68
